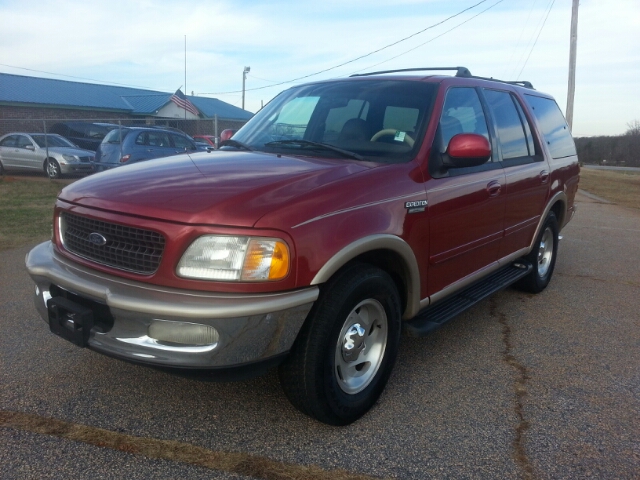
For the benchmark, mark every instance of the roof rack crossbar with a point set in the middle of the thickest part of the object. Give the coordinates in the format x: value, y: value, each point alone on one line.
x: 460, y: 71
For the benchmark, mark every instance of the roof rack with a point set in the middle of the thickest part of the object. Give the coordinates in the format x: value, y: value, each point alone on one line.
x: 460, y: 72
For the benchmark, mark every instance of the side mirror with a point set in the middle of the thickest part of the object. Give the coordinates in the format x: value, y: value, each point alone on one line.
x: 30, y: 147
x: 467, y: 150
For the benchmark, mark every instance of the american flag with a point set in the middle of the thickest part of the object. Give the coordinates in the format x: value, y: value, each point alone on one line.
x: 181, y: 100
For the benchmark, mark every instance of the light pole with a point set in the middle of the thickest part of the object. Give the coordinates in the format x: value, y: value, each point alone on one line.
x: 244, y: 79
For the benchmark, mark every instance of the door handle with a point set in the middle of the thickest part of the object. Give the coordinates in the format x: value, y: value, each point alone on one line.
x: 544, y: 176
x: 494, y: 188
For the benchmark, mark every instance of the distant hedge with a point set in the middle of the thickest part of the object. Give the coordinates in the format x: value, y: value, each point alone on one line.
x: 622, y: 150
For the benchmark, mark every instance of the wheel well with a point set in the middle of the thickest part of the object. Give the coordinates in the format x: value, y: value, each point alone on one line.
x: 559, y: 209
x: 389, y: 261
x: 44, y: 164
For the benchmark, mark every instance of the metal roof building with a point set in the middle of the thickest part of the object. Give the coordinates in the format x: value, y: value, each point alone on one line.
x: 25, y: 91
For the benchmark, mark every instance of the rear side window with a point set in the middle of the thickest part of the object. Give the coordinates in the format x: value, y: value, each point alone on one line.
x: 553, y: 125
x: 511, y: 133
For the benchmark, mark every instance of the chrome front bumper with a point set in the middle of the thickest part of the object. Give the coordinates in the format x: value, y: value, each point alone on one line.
x: 250, y: 327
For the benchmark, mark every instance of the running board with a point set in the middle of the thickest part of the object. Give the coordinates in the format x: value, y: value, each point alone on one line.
x: 433, y: 317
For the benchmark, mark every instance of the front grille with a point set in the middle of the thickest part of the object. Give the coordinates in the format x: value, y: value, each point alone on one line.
x: 125, y: 248
x: 86, y: 159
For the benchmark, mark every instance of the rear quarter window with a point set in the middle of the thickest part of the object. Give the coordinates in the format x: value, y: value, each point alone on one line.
x: 553, y: 126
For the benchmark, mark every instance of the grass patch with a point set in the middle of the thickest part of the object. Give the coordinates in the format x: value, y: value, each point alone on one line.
x: 619, y: 187
x: 27, y: 209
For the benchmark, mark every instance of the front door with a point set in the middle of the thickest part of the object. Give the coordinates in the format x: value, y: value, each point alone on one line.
x: 466, y: 205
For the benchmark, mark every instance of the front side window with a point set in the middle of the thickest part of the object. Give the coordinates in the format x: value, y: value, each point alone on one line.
x: 374, y: 120
x: 462, y: 113
x: 24, y: 142
x: 182, y: 142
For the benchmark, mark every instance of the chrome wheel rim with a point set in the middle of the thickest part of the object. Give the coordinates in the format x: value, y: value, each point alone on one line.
x: 361, y: 346
x: 52, y: 169
x: 545, y: 252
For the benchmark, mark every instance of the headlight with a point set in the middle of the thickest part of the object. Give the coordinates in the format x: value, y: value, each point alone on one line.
x: 70, y: 158
x: 249, y: 259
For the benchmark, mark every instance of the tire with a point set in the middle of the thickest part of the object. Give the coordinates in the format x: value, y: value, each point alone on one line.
x: 344, y: 353
x: 1, y: 169
x: 542, y: 257
x: 52, y: 169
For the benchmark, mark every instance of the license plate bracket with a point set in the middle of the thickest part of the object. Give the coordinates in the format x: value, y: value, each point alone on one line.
x: 70, y: 320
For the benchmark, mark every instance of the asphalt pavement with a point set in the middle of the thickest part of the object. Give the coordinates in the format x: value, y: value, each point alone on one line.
x: 521, y: 386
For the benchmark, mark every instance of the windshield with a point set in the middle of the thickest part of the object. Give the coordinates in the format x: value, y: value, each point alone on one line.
x: 52, y: 141
x: 376, y: 120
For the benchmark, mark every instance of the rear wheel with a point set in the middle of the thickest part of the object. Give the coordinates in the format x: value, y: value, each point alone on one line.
x: 52, y: 169
x: 345, y: 352
x: 542, y: 257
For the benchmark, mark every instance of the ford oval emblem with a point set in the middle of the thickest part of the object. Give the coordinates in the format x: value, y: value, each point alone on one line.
x: 97, y: 239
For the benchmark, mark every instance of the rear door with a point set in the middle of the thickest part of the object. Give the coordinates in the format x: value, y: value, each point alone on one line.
x: 526, y: 171
x: 466, y: 205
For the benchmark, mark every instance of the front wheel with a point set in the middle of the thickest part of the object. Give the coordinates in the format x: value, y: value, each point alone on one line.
x: 52, y: 169
x: 344, y: 354
x: 542, y: 257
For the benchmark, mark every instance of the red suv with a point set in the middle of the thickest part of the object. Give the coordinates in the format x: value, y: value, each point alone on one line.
x: 344, y: 213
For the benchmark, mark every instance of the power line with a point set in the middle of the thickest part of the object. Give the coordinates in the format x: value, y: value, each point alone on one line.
x: 517, y: 44
x: 534, y: 43
x: 357, y: 58
x: 432, y: 39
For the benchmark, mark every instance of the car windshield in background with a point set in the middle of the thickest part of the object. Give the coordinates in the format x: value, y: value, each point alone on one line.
x: 52, y: 141
x: 374, y: 120
x: 115, y: 135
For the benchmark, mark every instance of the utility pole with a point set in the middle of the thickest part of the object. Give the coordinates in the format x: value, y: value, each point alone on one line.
x: 572, y: 63
x: 244, y: 79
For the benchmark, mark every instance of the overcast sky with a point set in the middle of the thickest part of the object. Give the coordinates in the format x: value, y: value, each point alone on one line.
x: 141, y: 43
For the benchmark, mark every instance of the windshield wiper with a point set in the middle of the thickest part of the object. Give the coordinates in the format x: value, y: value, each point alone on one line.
x: 236, y: 144
x: 324, y: 146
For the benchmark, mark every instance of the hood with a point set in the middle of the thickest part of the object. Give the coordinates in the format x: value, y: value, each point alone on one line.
x: 216, y: 188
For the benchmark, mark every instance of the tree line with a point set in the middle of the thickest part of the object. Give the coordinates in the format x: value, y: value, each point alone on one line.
x: 620, y: 150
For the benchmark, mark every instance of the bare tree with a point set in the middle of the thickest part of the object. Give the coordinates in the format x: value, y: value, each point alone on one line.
x: 633, y: 128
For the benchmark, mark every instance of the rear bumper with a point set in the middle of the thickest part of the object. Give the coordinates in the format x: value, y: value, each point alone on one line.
x: 250, y: 328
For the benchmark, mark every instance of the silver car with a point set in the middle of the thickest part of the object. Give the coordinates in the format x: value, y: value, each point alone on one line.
x: 53, y: 154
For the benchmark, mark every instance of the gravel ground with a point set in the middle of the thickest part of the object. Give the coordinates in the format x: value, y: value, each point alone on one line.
x: 521, y: 386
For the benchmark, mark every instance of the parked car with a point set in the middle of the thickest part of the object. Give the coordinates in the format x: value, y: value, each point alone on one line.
x: 344, y: 212
x: 128, y: 145
x: 86, y: 135
x: 52, y: 154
